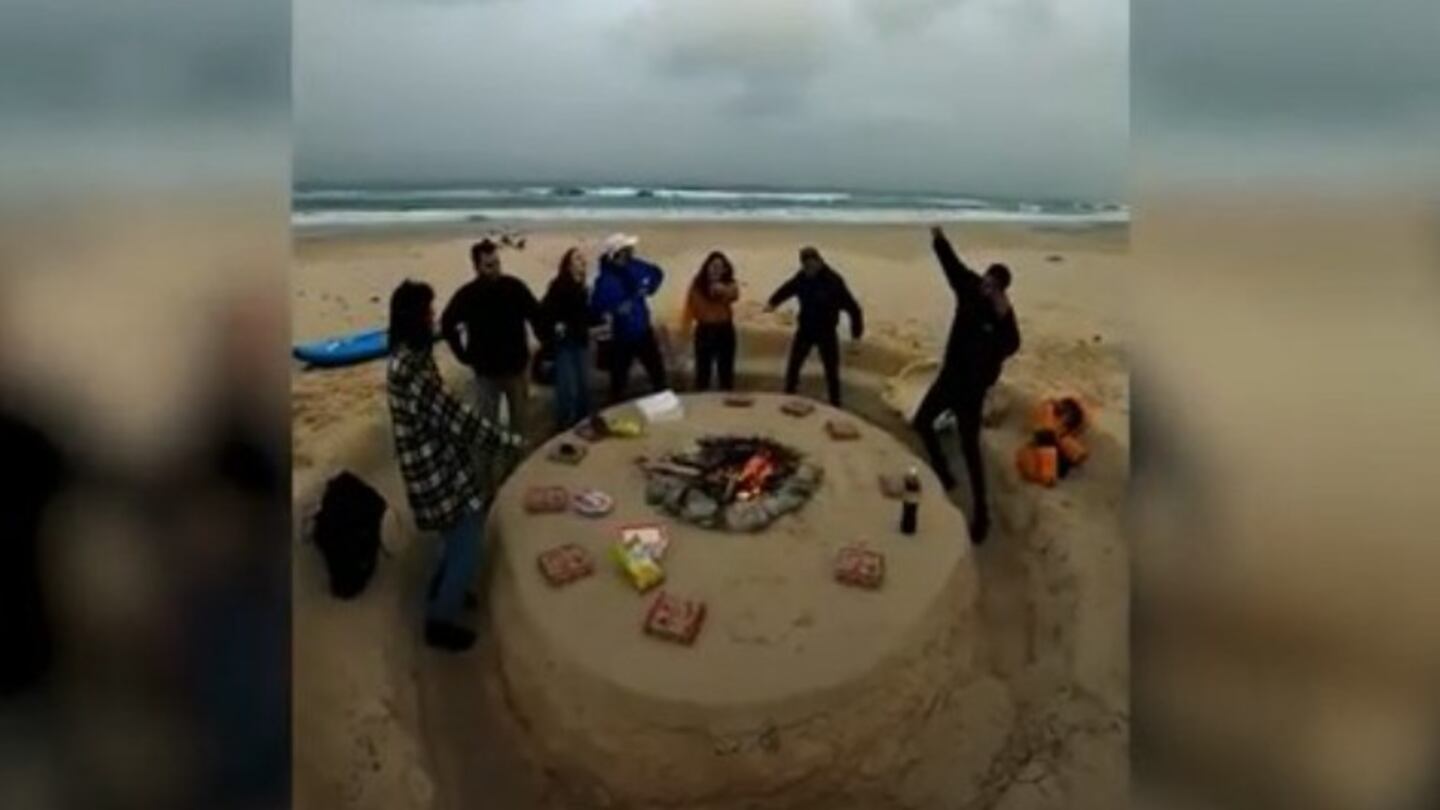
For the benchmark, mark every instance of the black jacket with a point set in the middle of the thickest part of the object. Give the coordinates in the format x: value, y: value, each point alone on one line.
x: 566, y: 309
x: 980, y: 338
x: 36, y: 473
x: 823, y: 297
x: 493, y: 313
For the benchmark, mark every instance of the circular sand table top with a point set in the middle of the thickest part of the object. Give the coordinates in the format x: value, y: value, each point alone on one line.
x: 794, y: 678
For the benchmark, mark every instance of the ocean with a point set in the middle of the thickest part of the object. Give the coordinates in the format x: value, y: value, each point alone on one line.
x: 362, y: 208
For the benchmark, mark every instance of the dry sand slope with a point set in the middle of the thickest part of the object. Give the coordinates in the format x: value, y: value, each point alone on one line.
x: 381, y: 722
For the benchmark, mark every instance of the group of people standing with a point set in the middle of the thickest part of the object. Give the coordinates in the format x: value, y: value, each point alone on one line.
x: 488, y: 323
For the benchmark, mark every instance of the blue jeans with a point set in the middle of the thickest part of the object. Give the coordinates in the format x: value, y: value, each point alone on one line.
x: 459, y: 553
x: 572, y: 385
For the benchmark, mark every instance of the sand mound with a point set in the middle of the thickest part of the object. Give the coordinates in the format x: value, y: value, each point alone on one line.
x: 1041, y: 723
x: 1028, y: 725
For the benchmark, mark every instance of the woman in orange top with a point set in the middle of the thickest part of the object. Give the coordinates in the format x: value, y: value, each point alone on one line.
x: 707, y: 306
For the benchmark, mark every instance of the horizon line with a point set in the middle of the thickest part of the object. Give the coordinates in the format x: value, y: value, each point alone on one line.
x: 306, y: 185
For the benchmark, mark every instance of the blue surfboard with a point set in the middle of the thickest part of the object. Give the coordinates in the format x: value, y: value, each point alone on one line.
x: 345, y: 350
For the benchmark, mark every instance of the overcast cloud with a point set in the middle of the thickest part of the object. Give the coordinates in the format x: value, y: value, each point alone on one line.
x: 1013, y: 97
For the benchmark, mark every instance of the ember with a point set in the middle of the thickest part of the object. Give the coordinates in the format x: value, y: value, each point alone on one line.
x: 730, y: 482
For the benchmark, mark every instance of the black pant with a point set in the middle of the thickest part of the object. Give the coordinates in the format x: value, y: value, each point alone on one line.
x: 624, y: 352
x: 964, y: 400
x: 829, y: 346
x: 715, y: 349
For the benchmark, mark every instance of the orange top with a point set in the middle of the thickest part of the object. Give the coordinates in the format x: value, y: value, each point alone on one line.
x: 704, y: 309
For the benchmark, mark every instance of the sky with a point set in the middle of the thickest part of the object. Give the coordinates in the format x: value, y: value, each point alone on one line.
x: 1018, y: 98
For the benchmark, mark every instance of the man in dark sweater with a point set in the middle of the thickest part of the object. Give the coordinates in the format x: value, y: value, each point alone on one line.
x: 823, y: 296
x: 983, y: 334
x: 38, y: 473
x: 485, y: 326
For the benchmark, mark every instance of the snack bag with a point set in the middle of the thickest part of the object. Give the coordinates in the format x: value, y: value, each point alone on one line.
x: 642, y: 570
x: 625, y: 428
x: 648, y: 538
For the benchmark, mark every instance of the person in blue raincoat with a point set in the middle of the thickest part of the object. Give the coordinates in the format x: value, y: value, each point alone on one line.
x: 621, y: 289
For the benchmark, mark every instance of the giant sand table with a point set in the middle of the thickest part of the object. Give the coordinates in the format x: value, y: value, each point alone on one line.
x: 796, y: 683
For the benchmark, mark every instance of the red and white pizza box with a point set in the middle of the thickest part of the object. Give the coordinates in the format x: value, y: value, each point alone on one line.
x: 546, y: 500
x: 676, y: 619
x: 565, y: 564
x: 860, y: 567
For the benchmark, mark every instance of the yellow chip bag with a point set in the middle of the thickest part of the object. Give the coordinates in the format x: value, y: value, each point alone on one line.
x: 642, y: 570
x: 628, y: 428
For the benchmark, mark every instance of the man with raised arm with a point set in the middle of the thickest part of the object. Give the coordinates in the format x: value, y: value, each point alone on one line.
x: 983, y: 334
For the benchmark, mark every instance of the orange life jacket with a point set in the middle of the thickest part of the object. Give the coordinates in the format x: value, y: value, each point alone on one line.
x: 1046, y: 418
x: 1038, y: 465
x: 1073, y: 450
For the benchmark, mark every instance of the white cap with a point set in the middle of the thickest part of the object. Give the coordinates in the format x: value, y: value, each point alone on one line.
x: 617, y: 241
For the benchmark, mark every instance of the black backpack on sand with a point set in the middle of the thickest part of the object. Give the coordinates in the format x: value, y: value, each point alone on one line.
x: 347, y: 532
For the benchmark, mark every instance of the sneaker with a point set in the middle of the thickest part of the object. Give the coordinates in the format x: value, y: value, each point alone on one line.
x: 449, y: 637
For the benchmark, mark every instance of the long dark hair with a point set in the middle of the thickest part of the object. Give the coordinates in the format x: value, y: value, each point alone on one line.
x: 698, y: 284
x: 409, y: 315
x: 563, y: 279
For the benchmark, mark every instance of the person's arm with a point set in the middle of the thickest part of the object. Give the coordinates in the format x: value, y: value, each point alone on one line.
x: 688, y: 318
x: 726, y: 293
x: 1007, y: 335
x: 852, y: 308
x: 449, y: 416
x: 651, y: 277
x: 550, y: 312
x: 450, y: 324
x: 593, y: 316
x: 538, y: 316
x: 785, y: 293
x: 606, y: 297
x: 962, y: 279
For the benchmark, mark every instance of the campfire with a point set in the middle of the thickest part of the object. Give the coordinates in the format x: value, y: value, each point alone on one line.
x: 731, y: 482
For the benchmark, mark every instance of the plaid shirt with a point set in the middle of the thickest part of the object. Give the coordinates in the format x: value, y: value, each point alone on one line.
x: 436, y: 439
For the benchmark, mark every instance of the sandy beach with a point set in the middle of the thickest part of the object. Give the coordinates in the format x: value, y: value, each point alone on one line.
x: 1044, y: 721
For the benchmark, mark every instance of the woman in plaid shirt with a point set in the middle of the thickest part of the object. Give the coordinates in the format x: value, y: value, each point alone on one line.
x: 436, y: 441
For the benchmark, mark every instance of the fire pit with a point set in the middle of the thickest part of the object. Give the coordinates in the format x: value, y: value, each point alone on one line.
x: 793, y: 674
x: 731, y: 483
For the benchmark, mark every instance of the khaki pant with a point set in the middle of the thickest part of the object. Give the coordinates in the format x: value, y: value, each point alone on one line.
x: 515, y: 390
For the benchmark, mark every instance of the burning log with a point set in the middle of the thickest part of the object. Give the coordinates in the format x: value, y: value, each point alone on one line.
x: 742, y: 483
